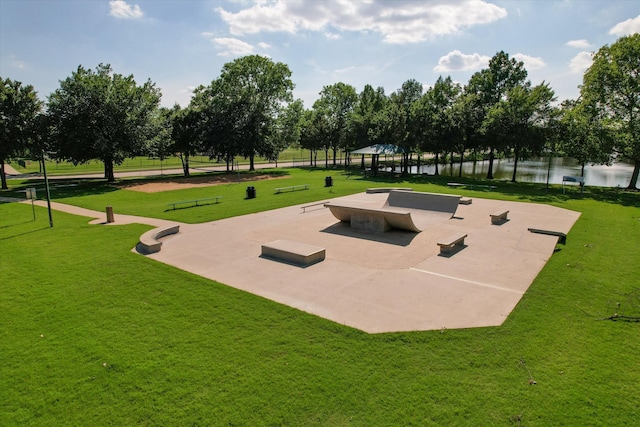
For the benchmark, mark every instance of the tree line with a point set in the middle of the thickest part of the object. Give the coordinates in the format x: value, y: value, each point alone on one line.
x: 249, y: 111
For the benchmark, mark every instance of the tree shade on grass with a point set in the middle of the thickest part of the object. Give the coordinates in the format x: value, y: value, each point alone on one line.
x: 93, y: 334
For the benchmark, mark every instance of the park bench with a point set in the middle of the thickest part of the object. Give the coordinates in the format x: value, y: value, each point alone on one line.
x: 292, y: 188
x: 448, y: 244
x: 149, y: 242
x: 304, y: 208
x: 499, y: 217
x: 195, y: 202
x: 290, y: 252
x: 465, y: 201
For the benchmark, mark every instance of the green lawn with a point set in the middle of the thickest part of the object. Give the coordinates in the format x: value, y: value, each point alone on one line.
x: 93, y: 334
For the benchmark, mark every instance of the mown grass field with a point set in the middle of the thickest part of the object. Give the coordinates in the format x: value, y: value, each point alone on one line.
x: 94, y: 334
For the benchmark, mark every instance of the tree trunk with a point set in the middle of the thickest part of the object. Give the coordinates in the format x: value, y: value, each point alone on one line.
x: 461, y: 161
x: 185, y: 164
x: 334, y: 157
x: 326, y: 158
x: 515, y: 166
x: 437, y: 160
x: 251, y: 165
x: 108, y: 171
x: 3, y: 177
x: 634, y: 176
x: 490, y: 171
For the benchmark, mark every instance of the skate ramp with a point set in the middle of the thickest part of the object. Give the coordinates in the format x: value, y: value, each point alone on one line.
x: 446, y: 203
x: 378, y: 220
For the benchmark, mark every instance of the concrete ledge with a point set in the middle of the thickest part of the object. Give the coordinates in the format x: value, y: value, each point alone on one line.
x: 562, y: 237
x: 290, y: 252
x: 448, y: 244
x: 425, y: 201
x: 386, y: 190
x: 149, y: 243
x: 499, y: 217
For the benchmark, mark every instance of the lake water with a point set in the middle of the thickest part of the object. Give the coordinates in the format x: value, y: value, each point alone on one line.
x: 616, y: 175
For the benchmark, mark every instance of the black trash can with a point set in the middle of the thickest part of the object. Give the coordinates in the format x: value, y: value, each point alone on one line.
x: 251, y: 192
x: 328, y: 182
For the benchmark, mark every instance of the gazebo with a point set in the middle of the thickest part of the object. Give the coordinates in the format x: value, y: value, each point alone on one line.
x: 375, y: 151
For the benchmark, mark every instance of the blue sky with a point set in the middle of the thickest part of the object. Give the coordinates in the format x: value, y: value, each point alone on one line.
x: 182, y: 44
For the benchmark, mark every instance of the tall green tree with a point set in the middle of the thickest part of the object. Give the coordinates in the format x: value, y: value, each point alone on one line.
x: 19, y: 111
x: 582, y: 135
x: 257, y: 90
x: 336, y: 103
x: 522, y: 120
x: 401, y: 124
x: 434, y: 118
x: 98, y: 114
x: 186, y: 134
x: 612, y: 86
x: 491, y: 86
x: 362, y: 123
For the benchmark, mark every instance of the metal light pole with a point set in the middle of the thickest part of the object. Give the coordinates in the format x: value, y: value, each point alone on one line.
x: 46, y: 186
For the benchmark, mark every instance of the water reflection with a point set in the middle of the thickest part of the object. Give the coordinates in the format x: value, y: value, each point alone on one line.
x: 535, y: 170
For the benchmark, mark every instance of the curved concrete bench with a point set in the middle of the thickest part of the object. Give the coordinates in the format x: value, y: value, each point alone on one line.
x: 149, y: 243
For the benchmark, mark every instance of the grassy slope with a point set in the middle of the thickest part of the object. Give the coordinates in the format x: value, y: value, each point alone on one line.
x: 93, y: 334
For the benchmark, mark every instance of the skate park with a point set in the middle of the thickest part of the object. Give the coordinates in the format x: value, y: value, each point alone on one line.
x: 383, y: 261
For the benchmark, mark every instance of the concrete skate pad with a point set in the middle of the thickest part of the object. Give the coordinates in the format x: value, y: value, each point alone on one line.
x: 380, y: 282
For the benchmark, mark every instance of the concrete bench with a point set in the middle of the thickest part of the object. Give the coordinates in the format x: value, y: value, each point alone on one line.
x: 448, y: 244
x: 499, y: 217
x: 304, y: 208
x: 300, y: 254
x: 292, y: 188
x: 465, y: 201
x: 149, y: 243
x: 195, y: 202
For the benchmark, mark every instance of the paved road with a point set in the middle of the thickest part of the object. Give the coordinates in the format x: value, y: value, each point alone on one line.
x: 12, y: 173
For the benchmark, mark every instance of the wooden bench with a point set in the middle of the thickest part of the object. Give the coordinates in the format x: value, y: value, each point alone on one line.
x: 499, y: 217
x: 292, y: 188
x: 195, y: 202
x: 448, y: 244
x: 296, y: 253
x: 149, y: 243
x: 304, y: 208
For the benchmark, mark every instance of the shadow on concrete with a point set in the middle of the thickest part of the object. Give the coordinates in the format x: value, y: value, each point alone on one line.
x: 391, y: 237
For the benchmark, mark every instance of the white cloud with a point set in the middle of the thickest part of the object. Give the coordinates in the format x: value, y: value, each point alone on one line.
x: 580, y: 44
x: 400, y: 21
x: 345, y: 70
x: 580, y: 62
x: 530, y: 62
x: 630, y: 26
x: 121, y: 9
x: 16, y: 63
x: 332, y: 36
x: 263, y: 45
x: 458, y: 61
x: 233, y: 47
